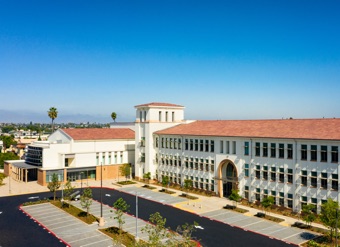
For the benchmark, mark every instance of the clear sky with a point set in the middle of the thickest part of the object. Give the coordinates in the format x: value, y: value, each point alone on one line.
x: 220, y: 59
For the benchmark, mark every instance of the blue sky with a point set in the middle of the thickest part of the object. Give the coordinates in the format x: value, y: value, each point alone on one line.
x: 220, y: 59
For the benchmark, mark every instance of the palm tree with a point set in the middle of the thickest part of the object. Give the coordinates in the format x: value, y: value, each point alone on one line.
x: 114, y: 116
x: 53, y: 114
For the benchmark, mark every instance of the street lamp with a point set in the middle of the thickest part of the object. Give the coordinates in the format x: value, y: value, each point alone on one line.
x: 101, y: 219
x: 81, y: 182
x: 136, y: 216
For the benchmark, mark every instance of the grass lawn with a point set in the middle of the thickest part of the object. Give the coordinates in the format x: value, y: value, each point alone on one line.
x: 125, y: 238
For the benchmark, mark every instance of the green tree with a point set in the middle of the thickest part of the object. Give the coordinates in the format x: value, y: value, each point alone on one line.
x: 186, y: 231
x: 53, y: 114
x: 68, y: 189
x: 147, y: 176
x: 328, y: 215
x: 125, y: 170
x: 54, y: 185
x: 7, y: 156
x: 235, y: 196
x: 8, y: 140
x: 187, y: 185
x: 121, y: 207
x: 86, y: 200
x: 165, y: 181
x: 114, y: 116
x: 307, y: 214
x: 2, y: 176
x: 267, y: 202
x: 156, y: 230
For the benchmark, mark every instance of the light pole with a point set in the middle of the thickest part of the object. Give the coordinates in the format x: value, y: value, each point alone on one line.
x: 136, y: 216
x: 81, y: 182
x: 101, y: 219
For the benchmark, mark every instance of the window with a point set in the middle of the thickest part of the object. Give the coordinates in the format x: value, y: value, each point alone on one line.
x: 186, y: 144
x: 170, y: 140
x: 290, y: 201
x: 212, y: 143
x: 221, y: 147
x: 265, y: 173
x: 246, y: 170
x: 173, y: 117
x: 281, y: 175
x: 257, y: 149
x: 290, y: 176
x: 166, y: 143
x: 290, y: 151
x: 196, y: 145
x: 324, y: 180
x: 228, y: 147
x: 141, y: 116
x: 265, y: 150
x: 281, y: 198
x: 314, y: 202
x: 160, y: 116
x: 272, y: 150
x: 313, y: 179
x: 179, y: 144
x: 201, y: 145
x: 303, y: 201
x: 313, y: 153
x: 166, y: 116
x: 334, y: 181
x: 175, y: 143
x: 273, y: 174
x: 191, y: 144
x: 303, y: 152
x: 257, y: 172
x: 335, y: 154
x: 265, y: 193
x: 246, y: 148
x: 234, y: 147
x: 304, y: 178
x: 246, y: 191
x: 323, y: 154
x: 144, y: 116
x: 257, y: 194
x: 207, y: 145
x: 156, y: 142
x: 281, y: 150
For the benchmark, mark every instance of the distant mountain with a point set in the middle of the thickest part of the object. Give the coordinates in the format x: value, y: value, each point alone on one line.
x: 26, y: 117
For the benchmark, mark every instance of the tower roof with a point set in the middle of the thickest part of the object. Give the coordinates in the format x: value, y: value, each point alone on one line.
x: 159, y: 104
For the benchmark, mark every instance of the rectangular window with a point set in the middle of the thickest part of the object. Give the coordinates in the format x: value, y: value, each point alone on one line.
x: 170, y: 143
x: 281, y: 175
x: 290, y: 151
x: 186, y: 144
x: 166, y: 116
x: 304, y: 178
x: 323, y: 154
x: 290, y: 201
x: 166, y: 143
x: 201, y: 145
x: 156, y: 142
x: 207, y: 145
x: 303, y: 152
x: 335, y: 182
x: 272, y: 150
x: 221, y: 147
x: 303, y: 201
x: 257, y: 194
x: 234, y: 147
x: 265, y: 150
x: 273, y: 174
x: 265, y: 173
x: 179, y: 144
x: 335, y: 154
x: 281, y: 150
x: 191, y: 144
x: 246, y: 148
x: 246, y: 170
x: 228, y: 147
x: 175, y: 143
x: 196, y: 145
x: 173, y: 116
x: 257, y: 172
x: 290, y: 176
x: 212, y: 148
x: 324, y: 177
x: 160, y: 116
x: 313, y: 179
x: 257, y: 149
x: 313, y: 153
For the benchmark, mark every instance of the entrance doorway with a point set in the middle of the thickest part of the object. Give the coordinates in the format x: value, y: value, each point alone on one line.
x: 227, y: 178
x: 227, y: 188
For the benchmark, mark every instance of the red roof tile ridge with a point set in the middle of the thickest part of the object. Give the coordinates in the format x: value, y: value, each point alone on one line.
x: 159, y: 104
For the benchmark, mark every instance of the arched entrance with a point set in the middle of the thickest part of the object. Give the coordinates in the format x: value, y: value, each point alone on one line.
x: 227, y: 178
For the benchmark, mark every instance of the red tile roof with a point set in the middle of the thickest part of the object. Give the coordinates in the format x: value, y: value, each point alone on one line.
x: 319, y: 129
x: 159, y: 104
x: 100, y: 134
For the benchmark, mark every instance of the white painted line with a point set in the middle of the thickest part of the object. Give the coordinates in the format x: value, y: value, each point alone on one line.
x: 252, y: 223
x: 291, y: 235
x: 108, y: 239
x: 64, y: 226
x: 85, y: 238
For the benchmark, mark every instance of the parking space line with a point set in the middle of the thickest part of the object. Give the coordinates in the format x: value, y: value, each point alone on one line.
x: 254, y: 223
x: 96, y: 242
x: 94, y: 236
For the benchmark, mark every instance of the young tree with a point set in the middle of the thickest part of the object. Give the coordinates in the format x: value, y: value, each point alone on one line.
x: 267, y: 202
x: 53, y: 114
x: 307, y: 214
x: 186, y: 231
x: 156, y: 230
x: 7, y: 156
x: 147, y: 176
x: 235, y: 196
x: 68, y: 190
x: 187, y: 185
x: 328, y: 215
x: 125, y: 170
x: 114, y: 116
x: 2, y: 176
x: 54, y: 185
x: 121, y: 207
x: 8, y: 141
x: 86, y: 200
x: 165, y: 181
